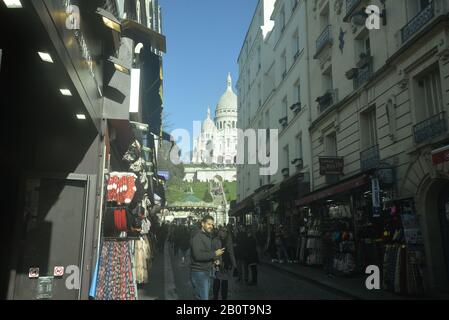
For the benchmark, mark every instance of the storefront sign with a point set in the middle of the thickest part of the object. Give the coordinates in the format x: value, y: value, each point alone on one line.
x: 45, y: 288
x: 376, y: 197
x: 440, y: 155
x: 331, y: 166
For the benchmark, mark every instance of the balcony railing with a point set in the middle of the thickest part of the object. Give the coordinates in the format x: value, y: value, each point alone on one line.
x: 369, y: 158
x: 418, y: 22
x: 326, y: 100
x: 430, y: 128
x: 363, y: 75
x: 283, y: 122
x: 324, y: 39
x: 296, y: 107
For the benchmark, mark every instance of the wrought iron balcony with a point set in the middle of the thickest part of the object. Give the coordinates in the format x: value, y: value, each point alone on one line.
x: 369, y: 158
x: 284, y: 75
x: 326, y: 100
x: 324, y: 39
x: 296, y: 107
x: 419, y: 21
x: 285, y: 172
x: 363, y: 75
x: 296, y: 56
x: 283, y: 122
x: 298, y: 163
x: 430, y: 128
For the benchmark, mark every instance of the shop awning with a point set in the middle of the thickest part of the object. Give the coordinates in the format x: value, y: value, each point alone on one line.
x: 245, y: 203
x: 139, y: 33
x: 262, y: 193
x: 326, y: 193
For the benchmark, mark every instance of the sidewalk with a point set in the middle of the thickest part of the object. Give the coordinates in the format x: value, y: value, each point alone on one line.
x: 154, y: 289
x: 353, y: 288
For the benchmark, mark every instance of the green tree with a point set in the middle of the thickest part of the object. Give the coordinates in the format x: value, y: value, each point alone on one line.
x: 207, y: 197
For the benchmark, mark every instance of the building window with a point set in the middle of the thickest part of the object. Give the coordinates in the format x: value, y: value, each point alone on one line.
x: 330, y: 145
x: 294, y: 4
x: 295, y: 46
x: 297, y: 92
x: 284, y: 65
x: 299, y: 146
x: 368, y: 128
x: 286, y: 160
x: 428, y: 94
x: 282, y: 20
x: 416, y: 6
x: 267, y: 126
x: 328, y: 80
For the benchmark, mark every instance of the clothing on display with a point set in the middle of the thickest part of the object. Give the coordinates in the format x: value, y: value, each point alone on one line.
x: 121, y: 187
x: 142, y: 257
x: 314, y: 244
x: 133, y: 153
x: 116, y: 277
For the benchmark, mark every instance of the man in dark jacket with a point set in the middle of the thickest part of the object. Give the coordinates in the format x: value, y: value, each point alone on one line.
x: 202, y: 258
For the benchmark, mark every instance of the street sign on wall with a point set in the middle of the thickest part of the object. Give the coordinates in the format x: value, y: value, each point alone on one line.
x: 331, y: 166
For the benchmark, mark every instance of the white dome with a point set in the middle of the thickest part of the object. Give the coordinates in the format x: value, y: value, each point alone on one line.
x: 228, y: 100
x: 208, y: 124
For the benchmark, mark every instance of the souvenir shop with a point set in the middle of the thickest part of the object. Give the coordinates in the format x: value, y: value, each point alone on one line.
x: 127, y: 242
x: 358, y: 223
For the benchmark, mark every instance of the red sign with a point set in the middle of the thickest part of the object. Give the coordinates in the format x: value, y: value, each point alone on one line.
x: 58, y: 271
x: 440, y: 155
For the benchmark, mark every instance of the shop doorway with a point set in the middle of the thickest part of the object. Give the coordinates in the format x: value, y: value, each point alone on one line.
x: 51, y: 232
x: 436, y: 233
x: 443, y: 203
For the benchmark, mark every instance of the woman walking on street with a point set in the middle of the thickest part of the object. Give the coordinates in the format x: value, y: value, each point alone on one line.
x: 223, y: 266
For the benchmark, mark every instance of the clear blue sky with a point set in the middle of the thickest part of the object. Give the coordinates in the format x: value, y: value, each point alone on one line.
x: 204, y: 38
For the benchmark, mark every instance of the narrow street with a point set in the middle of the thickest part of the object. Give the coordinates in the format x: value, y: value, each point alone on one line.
x: 273, y: 284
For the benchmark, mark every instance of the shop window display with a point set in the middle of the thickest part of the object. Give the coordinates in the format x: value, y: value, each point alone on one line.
x: 126, y: 252
x: 338, y: 239
x: 393, y: 242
